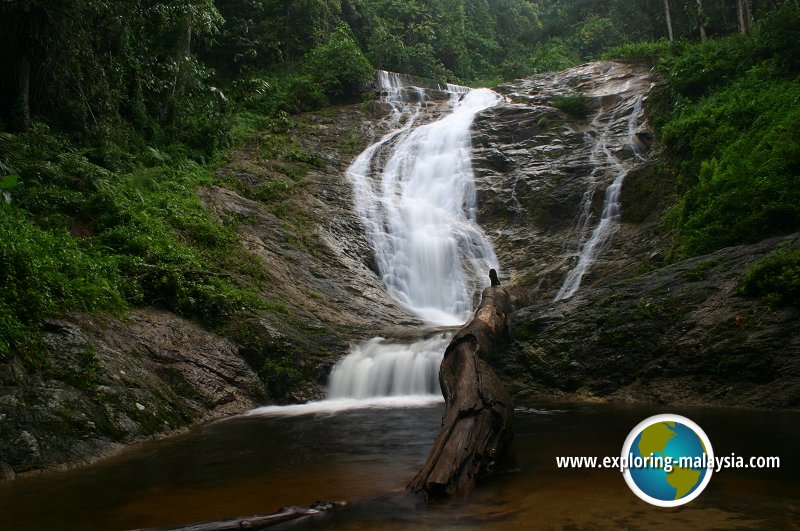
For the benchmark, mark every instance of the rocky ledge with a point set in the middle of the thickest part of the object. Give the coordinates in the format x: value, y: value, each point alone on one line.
x: 110, y: 381
x: 677, y: 335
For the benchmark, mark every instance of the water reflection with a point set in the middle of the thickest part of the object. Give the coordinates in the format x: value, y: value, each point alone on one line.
x: 256, y: 464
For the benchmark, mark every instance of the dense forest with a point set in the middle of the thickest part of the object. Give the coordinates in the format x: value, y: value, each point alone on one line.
x: 113, y: 112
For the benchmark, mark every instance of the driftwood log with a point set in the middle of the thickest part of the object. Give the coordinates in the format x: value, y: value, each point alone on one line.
x: 476, y: 427
x: 282, y: 515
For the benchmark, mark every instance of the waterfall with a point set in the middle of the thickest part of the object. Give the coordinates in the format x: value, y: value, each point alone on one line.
x: 380, y: 368
x: 602, y: 158
x: 415, y: 193
x: 396, y: 83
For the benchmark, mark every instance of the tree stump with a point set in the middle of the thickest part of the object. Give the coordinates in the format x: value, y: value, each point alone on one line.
x: 476, y: 427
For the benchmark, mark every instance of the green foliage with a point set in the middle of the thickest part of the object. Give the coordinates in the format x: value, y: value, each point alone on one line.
x: 131, y: 100
x: 596, y: 34
x: 105, y: 71
x: 750, y: 191
x: 339, y: 65
x: 700, y: 69
x: 576, y: 105
x: 776, y: 278
x: 7, y: 185
x: 776, y: 37
x: 453, y: 39
x: 81, y: 237
x: 271, y: 94
x: 551, y: 56
x: 729, y: 122
x: 44, y: 271
x: 645, y: 53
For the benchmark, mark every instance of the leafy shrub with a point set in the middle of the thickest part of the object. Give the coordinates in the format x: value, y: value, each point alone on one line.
x: 550, y: 56
x: 576, y: 105
x: 646, y: 53
x: 339, y: 65
x: 595, y: 34
x: 740, y: 158
x: 775, y: 277
x: 43, y: 271
x: 699, y: 69
x: 729, y: 122
x: 271, y: 94
x: 776, y: 37
x: 79, y: 236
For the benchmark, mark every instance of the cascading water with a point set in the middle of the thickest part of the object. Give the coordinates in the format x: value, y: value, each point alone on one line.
x: 415, y: 194
x: 380, y: 368
x: 418, y: 208
x: 603, y: 159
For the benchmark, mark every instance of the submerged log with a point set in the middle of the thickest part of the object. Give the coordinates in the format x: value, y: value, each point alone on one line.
x: 282, y: 515
x: 476, y: 427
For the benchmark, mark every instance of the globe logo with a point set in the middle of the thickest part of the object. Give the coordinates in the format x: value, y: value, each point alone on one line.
x: 668, y: 460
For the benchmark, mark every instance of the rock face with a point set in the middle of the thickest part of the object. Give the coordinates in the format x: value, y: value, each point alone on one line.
x: 320, y: 265
x: 327, y: 273
x: 112, y: 381
x: 542, y: 173
x: 636, y: 330
x: 679, y: 334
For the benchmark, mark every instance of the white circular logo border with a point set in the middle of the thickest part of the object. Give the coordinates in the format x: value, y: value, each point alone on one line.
x: 667, y: 417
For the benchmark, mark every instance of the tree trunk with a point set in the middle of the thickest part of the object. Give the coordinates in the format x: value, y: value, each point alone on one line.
x: 701, y: 16
x: 24, y: 90
x: 743, y: 11
x: 184, y: 50
x: 28, y: 38
x: 669, y: 20
x: 476, y: 427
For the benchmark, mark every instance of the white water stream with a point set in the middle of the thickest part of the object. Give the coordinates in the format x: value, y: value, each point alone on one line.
x: 603, y: 160
x: 415, y: 193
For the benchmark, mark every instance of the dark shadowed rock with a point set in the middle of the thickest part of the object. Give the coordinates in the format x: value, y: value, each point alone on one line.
x: 111, y: 381
x: 540, y: 170
x: 676, y: 335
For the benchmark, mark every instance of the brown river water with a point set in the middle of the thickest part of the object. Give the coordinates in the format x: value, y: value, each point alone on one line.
x: 256, y: 464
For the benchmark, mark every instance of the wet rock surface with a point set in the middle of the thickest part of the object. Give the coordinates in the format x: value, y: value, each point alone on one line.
x: 542, y: 172
x: 636, y: 330
x: 676, y: 335
x: 111, y: 381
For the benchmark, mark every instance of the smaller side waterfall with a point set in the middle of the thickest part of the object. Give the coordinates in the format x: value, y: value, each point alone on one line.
x: 610, y: 216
